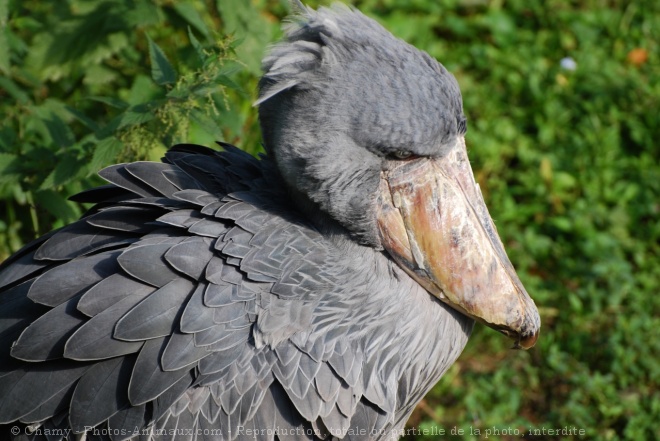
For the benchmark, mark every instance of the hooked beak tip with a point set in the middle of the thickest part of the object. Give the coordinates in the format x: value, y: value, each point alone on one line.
x: 526, y: 342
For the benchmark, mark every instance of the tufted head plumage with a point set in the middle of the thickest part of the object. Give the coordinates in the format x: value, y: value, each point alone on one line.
x: 339, y: 98
x: 389, y: 94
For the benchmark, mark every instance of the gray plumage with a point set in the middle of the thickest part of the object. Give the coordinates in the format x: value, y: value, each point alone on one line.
x: 330, y: 140
x: 220, y: 293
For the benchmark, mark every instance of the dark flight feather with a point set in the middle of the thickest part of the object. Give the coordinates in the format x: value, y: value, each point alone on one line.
x: 109, y: 291
x: 181, y: 351
x: 65, y: 281
x: 146, y: 262
x: 197, y: 316
x: 94, y: 340
x: 149, y: 380
x: 101, y: 392
x: 157, y: 315
x: 45, y: 338
x: 26, y: 389
x: 153, y: 176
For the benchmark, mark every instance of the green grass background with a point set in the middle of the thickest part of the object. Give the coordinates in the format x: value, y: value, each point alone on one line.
x: 568, y: 161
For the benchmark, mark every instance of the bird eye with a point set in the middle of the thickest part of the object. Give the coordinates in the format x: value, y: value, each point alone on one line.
x: 402, y: 154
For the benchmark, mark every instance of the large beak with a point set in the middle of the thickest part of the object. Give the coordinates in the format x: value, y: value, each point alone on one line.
x: 435, y: 224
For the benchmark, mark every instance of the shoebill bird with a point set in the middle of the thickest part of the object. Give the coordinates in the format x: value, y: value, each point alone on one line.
x: 315, y: 293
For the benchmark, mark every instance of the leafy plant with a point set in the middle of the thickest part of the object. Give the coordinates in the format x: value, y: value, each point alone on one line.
x: 87, y: 84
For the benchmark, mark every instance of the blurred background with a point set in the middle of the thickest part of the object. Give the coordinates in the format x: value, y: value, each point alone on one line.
x: 563, y: 104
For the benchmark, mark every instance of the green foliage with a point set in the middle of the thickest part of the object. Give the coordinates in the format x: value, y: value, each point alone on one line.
x: 567, y: 159
x: 88, y: 83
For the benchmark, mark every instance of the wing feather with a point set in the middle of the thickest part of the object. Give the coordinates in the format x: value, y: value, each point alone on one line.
x: 94, y: 340
x: 24, y: 390
x: 157, y: 315
x: 119, y: 175
x: 101, y: 392
x: 108, y: 292
x: 152, y: 174
x: 191, y: 256
x: 181, y: 351
x: 22, y: 265
x: 65, y: 281
x: 197, y: 316
x: 146, y: 262
x: 79, y: 239
x: 148, y: 380
x: 219, y: 360
x: 16, y: 312
x: 45, y: 338
x: 135, y: 220
x: 51, y: 406
x: 171, y: 395
x: 127, y: 420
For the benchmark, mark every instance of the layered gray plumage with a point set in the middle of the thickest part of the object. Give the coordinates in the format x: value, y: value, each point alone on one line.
x: 216, y: 296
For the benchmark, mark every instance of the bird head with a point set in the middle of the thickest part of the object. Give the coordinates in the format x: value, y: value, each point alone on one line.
x: 370, y: 131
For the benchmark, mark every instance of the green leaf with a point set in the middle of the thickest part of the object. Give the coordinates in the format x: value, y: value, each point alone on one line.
x: 141, y: 14
x: 66, y: 169
x: 4, y: 37
x: 13, y: 90
x: 4, y: 13
x: 178, y: 94
x: 86, y: 121
x: 4, y: 49
x: 207, y: 123
x: 9, y: 172
x: 248, y: 25
x: 228, y: 82
x: 110, y: 101
x: 162, y: 71
x: 143, y: 90
x: 59, y: 131
x: 135, y: 116
x: 196, y: 45
x: 189, y: 13
x: 55, y: 204
x: 8, y: 139
x: 99, y: 75
x: 105, y: 153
